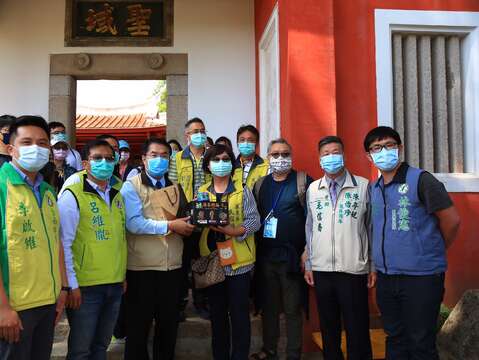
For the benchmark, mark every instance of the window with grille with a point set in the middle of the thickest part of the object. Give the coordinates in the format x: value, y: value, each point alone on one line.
x: 428, y: 99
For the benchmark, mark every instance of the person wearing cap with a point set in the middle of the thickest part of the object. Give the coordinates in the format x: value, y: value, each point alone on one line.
x: 57, y: 171
x: 126, y: 169
x: 58, y: 132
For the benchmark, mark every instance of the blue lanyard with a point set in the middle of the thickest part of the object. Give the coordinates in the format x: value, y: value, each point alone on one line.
x: 275, y: 202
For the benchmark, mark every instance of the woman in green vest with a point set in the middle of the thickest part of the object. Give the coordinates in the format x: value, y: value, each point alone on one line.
x: 229, y: 300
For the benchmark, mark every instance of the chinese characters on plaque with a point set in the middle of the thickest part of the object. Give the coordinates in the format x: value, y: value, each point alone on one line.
x: 119, y: 23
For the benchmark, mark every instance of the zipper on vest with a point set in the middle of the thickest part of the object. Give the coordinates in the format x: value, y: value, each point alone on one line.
x: 333, y: 232
x: 384, y: 230
x: 51, y: 255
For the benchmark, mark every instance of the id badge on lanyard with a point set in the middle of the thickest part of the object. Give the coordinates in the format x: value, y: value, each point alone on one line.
x: 271, y: 221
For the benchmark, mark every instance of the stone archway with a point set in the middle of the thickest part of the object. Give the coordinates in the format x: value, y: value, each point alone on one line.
x: 66, y: 69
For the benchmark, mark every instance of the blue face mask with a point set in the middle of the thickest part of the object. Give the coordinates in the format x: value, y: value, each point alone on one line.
x: 332, y: 163
x: 198, y: 139
x: 60, y: 137
x: 246, y: 148
x: 102, y: 169
x: 158, y: 166
x: 386, y: 160
x: 33, y: 157
x: 221, y: 168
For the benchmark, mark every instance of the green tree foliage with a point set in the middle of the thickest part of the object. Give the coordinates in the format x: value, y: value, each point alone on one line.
x: 161, y: 93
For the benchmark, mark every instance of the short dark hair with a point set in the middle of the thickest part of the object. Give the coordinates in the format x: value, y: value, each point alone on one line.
x: 7, y: 120
x: 54, y: 124
x: 107, y: 136
x: 380, y: 133
x: 173, y: 141
x: 28, y: 120
x: 210, y: 141
x: 92, y: 144
x: 224, y: 139
x: 216, y: 150
x: 154, y: 140
x: 249, y: 128
x: 194, y: 120
x: 331, y: 139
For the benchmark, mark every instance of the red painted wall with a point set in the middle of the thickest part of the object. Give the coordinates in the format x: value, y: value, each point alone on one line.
x: 328, y: 86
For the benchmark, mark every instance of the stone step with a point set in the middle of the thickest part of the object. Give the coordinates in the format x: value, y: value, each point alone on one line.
x: 194, y: 340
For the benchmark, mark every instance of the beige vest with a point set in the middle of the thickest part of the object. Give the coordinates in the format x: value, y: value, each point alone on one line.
x: 155, y: 252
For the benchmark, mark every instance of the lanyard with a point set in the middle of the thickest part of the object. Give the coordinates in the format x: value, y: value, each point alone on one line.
x: 275, y: 202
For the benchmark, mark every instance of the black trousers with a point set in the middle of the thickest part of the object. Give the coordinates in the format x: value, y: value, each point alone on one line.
x: 343, y: 295
x: 36, y: 338
x: 230, y: 322
x: 409, y: 309
x: 282, y: 293
x: 152, y: 295
x: 190, y: 252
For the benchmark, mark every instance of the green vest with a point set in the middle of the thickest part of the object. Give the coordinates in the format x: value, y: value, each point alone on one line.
x: 29, y: 242
x: 245, y: 250
x: 99, y: 249
x: 259, y: 168
x: 185, y: 171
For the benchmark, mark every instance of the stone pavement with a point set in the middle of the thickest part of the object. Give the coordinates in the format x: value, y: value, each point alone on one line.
x: 193, y: 341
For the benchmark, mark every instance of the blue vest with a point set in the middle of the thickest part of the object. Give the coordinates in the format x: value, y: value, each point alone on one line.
x: 406, y: 239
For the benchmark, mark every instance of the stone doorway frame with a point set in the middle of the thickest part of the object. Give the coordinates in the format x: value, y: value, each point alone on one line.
x: 66, y: 69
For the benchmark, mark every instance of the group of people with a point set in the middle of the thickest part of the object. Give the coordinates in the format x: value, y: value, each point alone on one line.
x: 112, y: 243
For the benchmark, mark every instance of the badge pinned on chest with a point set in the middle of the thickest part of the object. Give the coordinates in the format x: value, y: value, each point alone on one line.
x: 270, y: 226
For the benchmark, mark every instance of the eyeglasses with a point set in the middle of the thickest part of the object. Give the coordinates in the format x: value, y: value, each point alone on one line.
x: 197, y: 131
x: 388, y: 146
x: 100, y: 158
x: 276, y: 155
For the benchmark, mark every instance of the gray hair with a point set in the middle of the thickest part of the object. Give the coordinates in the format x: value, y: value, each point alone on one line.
x: 279, y: 141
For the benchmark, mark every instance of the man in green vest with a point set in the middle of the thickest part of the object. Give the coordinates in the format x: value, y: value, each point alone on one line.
x: 92, y: 216
x: 34, y: 288
x: 249, y: 166
x: 186, y: 169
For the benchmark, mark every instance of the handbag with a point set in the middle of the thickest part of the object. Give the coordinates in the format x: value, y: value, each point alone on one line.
x: 207, y: 271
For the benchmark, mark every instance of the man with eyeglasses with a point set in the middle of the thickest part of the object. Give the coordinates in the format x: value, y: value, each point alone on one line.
x: 280, y: 242
x: 186, y: 169
x: 249, y: 166
x: 92, y: 224
x: 156, y: 223
x: 338, y: 264
x: 413, y: 224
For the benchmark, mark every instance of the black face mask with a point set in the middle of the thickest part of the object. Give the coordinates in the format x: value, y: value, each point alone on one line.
x: 6, y: 138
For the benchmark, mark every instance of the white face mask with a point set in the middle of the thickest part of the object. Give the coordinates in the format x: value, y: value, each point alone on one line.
x: 280, y: 165
x: 33, y: 157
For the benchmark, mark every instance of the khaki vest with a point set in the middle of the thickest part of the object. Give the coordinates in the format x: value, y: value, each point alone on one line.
x: 156, y: 252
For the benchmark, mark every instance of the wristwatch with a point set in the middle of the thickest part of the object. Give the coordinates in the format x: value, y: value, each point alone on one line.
x: 66, y: 288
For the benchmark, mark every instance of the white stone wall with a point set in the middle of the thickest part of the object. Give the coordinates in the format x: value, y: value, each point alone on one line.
x: 217, y: 35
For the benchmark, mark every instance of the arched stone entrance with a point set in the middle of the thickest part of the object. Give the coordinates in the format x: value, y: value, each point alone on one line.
x: 66, y: 69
